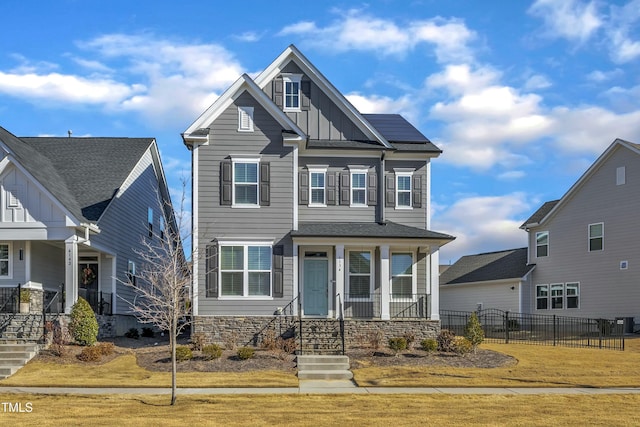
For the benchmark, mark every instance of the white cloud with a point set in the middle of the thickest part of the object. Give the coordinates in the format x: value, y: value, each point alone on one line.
x: 575, y: 20
x: 603, y: 76
x: 248, y: 36
x: 482, y: 224
x: 405, y: 105
x: 537, y: 82
x: 359, y: 31
x: 623, y: 23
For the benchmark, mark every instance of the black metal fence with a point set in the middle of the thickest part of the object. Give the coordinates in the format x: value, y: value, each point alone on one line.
x: 505, y: 326
x: 405, y: 306
x: 9, y: 300
x: 100, y: 302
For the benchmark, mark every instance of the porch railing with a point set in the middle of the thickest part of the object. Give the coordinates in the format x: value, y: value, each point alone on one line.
x: 10, y: 299
x: 400, y: 306
x: 100, y: 302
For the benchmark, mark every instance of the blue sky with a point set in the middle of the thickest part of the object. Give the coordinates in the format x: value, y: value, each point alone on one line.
x: 521, y: 96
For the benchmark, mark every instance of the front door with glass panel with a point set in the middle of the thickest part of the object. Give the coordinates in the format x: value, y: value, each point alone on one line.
x: 316, y: 287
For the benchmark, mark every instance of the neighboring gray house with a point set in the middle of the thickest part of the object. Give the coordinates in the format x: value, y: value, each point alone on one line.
x: 488, y: 280
x: 586, y: 246
x: 73, y: 215
x: 303, y: 205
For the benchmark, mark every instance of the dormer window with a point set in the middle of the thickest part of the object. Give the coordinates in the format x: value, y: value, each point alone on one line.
x: 291, y: 92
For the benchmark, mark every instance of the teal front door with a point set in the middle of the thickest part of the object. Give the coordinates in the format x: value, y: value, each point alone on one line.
x: 316, y: 287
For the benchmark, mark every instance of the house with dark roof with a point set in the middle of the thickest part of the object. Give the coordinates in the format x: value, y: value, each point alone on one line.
x: 487, y: 280
x: 74, y: 213
x: 586, y: 245
x: 303, y: 206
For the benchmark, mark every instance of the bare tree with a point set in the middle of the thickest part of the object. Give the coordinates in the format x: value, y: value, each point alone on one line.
x: 161, y: 284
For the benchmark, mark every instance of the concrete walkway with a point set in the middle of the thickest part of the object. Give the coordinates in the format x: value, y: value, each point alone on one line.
x: 326, y: 387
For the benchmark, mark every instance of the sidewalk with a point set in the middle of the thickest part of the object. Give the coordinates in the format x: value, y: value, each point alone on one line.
x: 325, y: 387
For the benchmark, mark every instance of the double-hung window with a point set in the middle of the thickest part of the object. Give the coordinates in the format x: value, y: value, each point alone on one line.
x: 131, y: 272
x: 245, y: 182
x: 317, y: 187
x: 573, y: 295
x: 542, y: 244
x: 403, y: 190
x: 557, y: 295
x: 291, y: 92
x: 542, y: 297
x: 5, y: 260
x: 596, y: 237
x: 245, y: 270
x: 402, y: 283
x: 358, y: 187
x: 360, y: 275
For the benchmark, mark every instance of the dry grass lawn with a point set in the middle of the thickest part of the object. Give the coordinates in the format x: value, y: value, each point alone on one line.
x: 537, y: 366
x: 326, y: 410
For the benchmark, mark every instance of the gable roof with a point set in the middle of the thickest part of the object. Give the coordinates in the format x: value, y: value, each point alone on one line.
x: 508, y: 264
x: 83, y: 174
x: 548, y: 209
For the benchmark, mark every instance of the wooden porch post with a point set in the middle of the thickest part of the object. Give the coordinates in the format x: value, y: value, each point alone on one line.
x: 385, y: 283
x: 339, y: 278
x: 433, y: 279
x: 70, y: 273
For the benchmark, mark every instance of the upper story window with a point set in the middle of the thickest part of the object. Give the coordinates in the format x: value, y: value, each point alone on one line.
x: 245, y: 182
x: 131, y: 272
x: 162, y: 227
x: 245, y: 270
x: 402, y: 275
x: 596, y: 237
x: 150, y: 221
x: 5, y: 261
x: 291, y: 91
x: 358, y: 187
x: 403, y: 189
x: 360, y: 281
x: 317, y: 187
x: 542, y: 244
x: 245, y: 119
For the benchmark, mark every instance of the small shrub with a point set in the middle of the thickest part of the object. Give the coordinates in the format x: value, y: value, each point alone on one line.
x: 25, y: 295
x: 59, y: 337
x: 197, y: 340
x: 473, y: 331
x: 463, y: 346
x: 83, y: 325
x: 410, y: 338
x: 90, y: 354
x: 231, y: 340
x: 398, y: 344
x: 105, y: 348
x: 245, y: 353
x: 446, y: 341
x: 429, y: 345
x: 147, y: 332
x: 287, y: 346
x: 132, y: 333
x: 183, y: 353
x: 374, y: 339
x: 269, y: 340
x: 211, y: 351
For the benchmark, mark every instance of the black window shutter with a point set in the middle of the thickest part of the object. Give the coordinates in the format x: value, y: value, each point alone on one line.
x: 372, y: 189
x: 226, y: 182
x: 211, y: 271
x: 265, y: 184
x: 278, y: 271
x: 278, y: 92
x: 345, y: 189
x: 416, y: 189
x: 390, y: 191
x: 303, y: 184
x: 305, y: 89
x: 331, y: 188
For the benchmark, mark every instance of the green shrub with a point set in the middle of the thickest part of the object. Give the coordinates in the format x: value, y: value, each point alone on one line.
x: 83, y: 325
x: 446, y: 341
x: 105, y: 348
x: 429, y: 345
x: 398, y: 344
x: 147, y: 332
x: 462, y: 346
x: 132, y: 333
x: 245, y: 353
x: 197, y: 340
x: 211, y: 351
x: 183, y: 353
x: 90, y: 354
x: 473, y: 331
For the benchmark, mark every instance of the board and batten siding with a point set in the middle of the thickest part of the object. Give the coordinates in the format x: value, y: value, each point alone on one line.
x: 216, y: 221
x: 466, y: 297
x: 124, y: 227
x: 321, y: 119
x: 606, y: 290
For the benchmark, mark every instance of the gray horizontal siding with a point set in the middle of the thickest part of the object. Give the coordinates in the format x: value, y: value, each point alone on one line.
x: 605, y: 290
x: 416, y: 217
x: 50, y: 265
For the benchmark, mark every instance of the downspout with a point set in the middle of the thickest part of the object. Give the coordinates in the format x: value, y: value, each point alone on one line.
x: 381, y: 192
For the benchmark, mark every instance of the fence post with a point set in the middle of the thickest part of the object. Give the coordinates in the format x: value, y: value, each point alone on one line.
x: 506, y: 327
x: 555, y: 331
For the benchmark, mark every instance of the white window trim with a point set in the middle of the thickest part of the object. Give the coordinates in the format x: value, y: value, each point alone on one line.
x: 566, y: 296
x: 322, y: 170
x: 348, y: 274
x: 551, y: 296
x: 547, y: 245
x: 414, y: 278
x: 291, y: 78
x: 589, y: 237
x: 545, y: 298
x: 131, y: 272
x: 351, y: 188
x: 247, y: 112
x: 410, y: 175
x: 9, y: 260
x: 245, y: 277
x: 234, y: 161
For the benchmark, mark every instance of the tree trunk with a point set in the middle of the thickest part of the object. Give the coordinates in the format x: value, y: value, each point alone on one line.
x: 174, y: 366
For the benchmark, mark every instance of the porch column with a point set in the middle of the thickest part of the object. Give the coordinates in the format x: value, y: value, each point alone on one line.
x: 296, y: 279
x: 385, y: 283
x: 339, y: 278
x: 70, y: 273
x: 434, y: 279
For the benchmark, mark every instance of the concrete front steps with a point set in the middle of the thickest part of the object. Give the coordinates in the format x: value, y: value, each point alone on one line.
x: 15, y: 356
x: 323, y: 367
